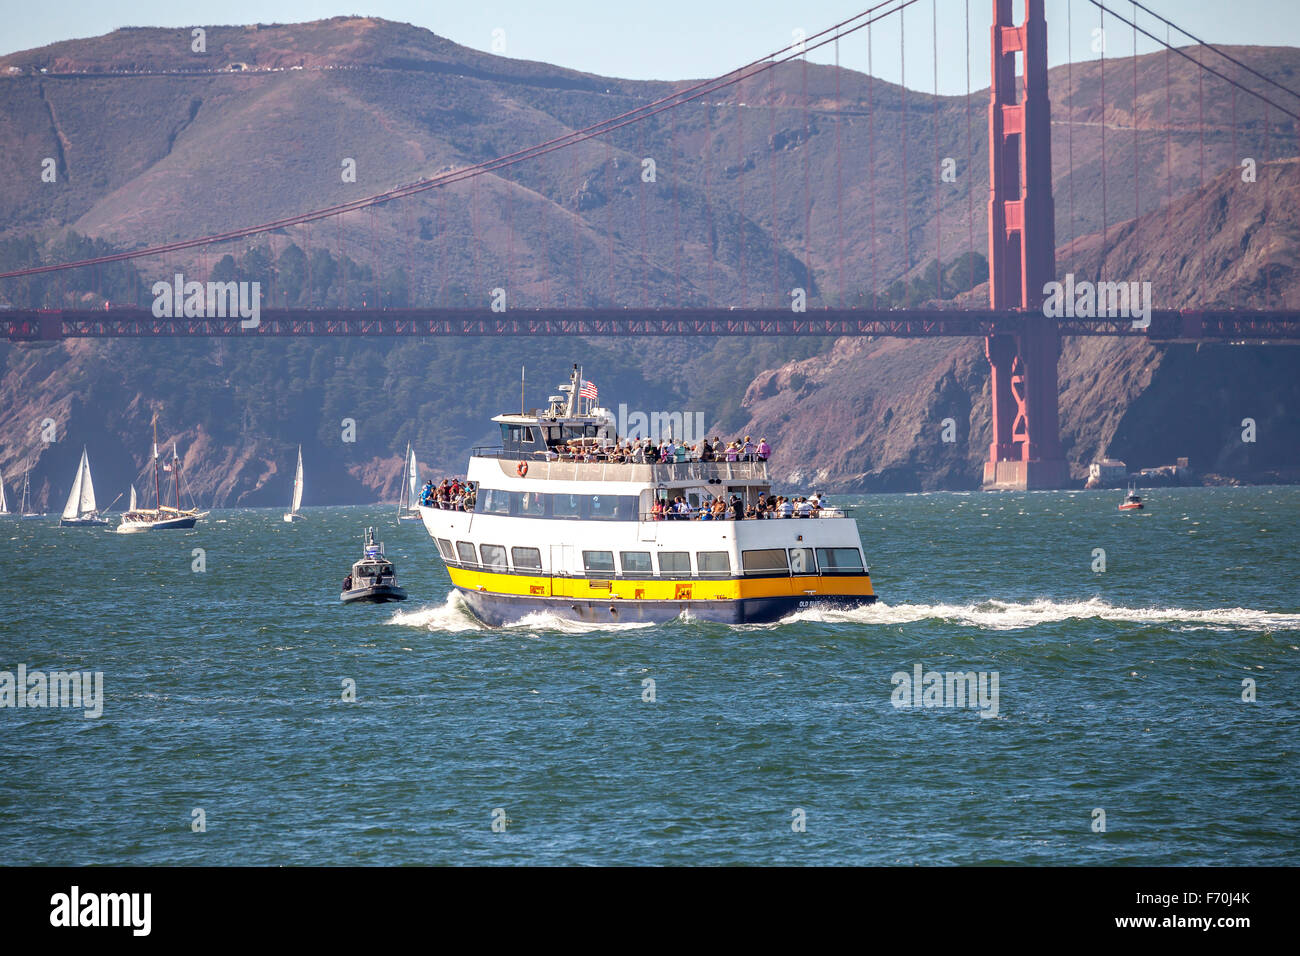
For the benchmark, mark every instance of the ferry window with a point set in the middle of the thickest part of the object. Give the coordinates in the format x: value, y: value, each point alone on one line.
x: 766, y: 559
x: 801, y: 561
x: 494, y: 556
x: 713, y: 562
x: 530, y: 558
x: 528, y: 504
x: 635, y: 562
x: 566, y: 506
x: 493, y: 501
x: 612, y: 508
x: 834, y: 560
x: 466, y: 552
x: 674, y: 562
x: 600, y: 561
x: 444, y: 549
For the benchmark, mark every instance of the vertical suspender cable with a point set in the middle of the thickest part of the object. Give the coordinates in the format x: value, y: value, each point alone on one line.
x: 1200, y: 81
x: 771, y: 168
x: 710, y: 224
x: 1169, y: 155
x: 970, y: 159
x: 902, y: 193
x: 1069, y: 113
x: 677, y: 211
x: 839, y: 179
x: 1101, y: 255
x: 1268, y: 278
x: 1137, y: 197
x: 871, y: 168
x: 740, y: 186
x: 938, y: 180
x: 609, y: 215
x: 806, y: 149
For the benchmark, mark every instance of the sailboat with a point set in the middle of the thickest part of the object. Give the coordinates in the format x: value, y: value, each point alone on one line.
x: 163, y: 517
x: 24, y: 507
x: 4, y: 502
x: 292, y: 514
x: 406, y: 509
x: 81, y: 509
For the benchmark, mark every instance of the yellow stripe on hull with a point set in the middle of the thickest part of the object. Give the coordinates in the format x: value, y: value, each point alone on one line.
x: 635, y: 589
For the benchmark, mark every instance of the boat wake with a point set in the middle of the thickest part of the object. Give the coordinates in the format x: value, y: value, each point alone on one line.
x: 453, y: 616
x: 995, y: 615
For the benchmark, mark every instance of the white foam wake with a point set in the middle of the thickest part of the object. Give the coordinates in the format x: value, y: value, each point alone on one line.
x: 453, y: 616
x: 995, y: 615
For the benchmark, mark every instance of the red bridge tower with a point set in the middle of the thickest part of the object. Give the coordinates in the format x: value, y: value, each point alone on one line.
x: 1026, y: 448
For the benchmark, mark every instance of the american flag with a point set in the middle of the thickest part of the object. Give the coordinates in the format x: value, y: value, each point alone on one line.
x: 588, y: 390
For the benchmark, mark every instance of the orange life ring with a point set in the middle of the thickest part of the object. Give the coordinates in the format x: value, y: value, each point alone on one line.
x: 521, y: 469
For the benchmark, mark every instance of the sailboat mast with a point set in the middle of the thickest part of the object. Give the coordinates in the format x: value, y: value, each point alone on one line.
x: 176, y: 475
x: 403, y: 493
x: 157, y: 485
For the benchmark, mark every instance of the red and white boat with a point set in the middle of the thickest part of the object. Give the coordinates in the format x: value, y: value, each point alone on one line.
x: 1131, y: 502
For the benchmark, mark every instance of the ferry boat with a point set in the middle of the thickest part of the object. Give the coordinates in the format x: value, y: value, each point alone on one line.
x: 580, y: 539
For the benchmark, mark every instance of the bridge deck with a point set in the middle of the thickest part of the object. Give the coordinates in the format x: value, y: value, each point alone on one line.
x: 1282, y: 327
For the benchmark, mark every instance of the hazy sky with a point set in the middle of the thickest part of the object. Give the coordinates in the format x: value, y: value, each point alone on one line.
x: 677, y: 39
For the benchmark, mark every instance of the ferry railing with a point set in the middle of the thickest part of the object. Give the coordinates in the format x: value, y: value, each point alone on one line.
x: 708, y: 472
x: 730, y: 516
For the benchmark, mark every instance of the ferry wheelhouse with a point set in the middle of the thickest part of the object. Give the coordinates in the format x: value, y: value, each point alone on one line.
x: 579, y: 539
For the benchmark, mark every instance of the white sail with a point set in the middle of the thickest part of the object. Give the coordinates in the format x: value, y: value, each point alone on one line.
x: 4, y: 502
x: 132, y: 508
x: 71, y: 509
x: 24, y: 506
x: 87, y: 486
x: 412, y: 477
x: 297, y: 484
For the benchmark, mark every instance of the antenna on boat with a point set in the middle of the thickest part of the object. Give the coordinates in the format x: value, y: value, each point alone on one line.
x: 575, y: 382
x: 522, y: 370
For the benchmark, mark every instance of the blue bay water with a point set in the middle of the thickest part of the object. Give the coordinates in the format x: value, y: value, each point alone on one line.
x: 1119, y: 691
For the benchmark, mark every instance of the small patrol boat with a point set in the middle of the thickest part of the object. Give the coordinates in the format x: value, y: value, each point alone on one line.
x: 373, y: 579
x: 1131, y: 502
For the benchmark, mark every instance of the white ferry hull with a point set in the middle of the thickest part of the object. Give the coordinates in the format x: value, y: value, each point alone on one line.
x: 497, y: 610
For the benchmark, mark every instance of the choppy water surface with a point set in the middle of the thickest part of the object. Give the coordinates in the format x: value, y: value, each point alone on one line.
x: 1119, y: 691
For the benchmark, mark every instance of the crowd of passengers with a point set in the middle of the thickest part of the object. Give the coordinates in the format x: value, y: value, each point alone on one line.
x: 645, y: 451
x: 767, y: 506
x: 450, y: 495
